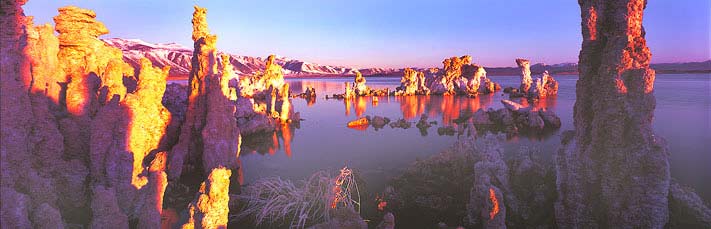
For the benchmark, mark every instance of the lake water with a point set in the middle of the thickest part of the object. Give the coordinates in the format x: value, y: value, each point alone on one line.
x: 323, y: 142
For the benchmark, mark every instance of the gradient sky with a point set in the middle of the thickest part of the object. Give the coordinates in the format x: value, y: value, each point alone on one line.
x: 380, y: 33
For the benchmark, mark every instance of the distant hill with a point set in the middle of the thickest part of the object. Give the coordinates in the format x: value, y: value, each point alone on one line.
x: 178, y: 57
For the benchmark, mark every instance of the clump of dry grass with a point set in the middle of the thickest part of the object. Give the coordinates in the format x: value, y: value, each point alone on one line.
x: 277, y: 203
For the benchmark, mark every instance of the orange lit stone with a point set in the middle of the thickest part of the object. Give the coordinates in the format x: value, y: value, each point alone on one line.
x: 495, y: 204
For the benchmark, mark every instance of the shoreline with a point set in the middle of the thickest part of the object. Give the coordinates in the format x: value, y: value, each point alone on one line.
x: 321, y: 76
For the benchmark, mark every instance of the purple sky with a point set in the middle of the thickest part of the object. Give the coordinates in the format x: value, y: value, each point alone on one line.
x: 377, y: 33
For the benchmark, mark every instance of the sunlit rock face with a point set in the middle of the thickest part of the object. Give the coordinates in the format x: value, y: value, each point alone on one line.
x: 123, y: 134
x: 43, y: 47
x: 211, y: 206
x: 257, y: 84
x: 412, y: 83
x: 59, y: 85
x: 88, y: 62
x: 613, y: 171
x: 526, y: 80
x: 549, y: 84
x: 538, y: 88
x: 460, y: 76
x: 263, y: 100
x: 359, y: 86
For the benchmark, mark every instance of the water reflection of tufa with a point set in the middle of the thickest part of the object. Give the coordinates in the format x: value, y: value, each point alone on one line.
x: 464, y: 116
x: 270, y: 142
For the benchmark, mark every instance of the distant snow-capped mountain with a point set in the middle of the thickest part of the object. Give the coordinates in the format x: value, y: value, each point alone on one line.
x: 178, y: 57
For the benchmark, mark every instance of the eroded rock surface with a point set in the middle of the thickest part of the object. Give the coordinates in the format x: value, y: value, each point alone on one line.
x: 538, y: 88
x: 412, y: 83
x: 125, y: 133
x: 221, y: 137
x: 614, y: 171
x: 526, y: 80
x: 211, y: 205
x: 359, y: 86
x: 460, y: 76
x: 209, y: 133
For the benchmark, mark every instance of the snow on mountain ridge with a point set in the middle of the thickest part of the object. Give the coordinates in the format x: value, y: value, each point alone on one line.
x: 179, y: 57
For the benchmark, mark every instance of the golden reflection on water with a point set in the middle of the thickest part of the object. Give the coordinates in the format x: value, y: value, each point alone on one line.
x: 449, y: 107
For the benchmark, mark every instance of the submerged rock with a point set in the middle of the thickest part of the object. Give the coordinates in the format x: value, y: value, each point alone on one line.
x: 423, y: 124
x: 379, y: 122
x: 401, y: 123
x: 481, y: 117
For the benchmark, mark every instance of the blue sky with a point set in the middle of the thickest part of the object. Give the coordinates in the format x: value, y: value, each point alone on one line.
x: 379, y: 33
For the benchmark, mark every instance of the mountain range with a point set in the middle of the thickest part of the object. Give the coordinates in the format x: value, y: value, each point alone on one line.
x: 178, y: 57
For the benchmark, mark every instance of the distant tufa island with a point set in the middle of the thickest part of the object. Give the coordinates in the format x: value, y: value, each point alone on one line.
x: 178, y: 58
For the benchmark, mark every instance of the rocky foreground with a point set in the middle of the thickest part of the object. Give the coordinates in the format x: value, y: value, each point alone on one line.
x: 89, y: 140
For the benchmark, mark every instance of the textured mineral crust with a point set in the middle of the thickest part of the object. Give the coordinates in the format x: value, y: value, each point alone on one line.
x: 209, y: 133
x: 538, y: 88
x: 613, y: 171
x: 412, y: 83
x: 211, y: 205
x: 460, y: 76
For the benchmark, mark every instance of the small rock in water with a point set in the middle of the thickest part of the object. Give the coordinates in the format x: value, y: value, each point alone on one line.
x: 401, y: 123
x: 358, y: 122
x: 446, y: 130
x: 379, y: 122
x: 511, y: 105
x: 481, y: 117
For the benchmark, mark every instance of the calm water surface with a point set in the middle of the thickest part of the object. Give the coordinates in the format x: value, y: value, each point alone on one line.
x: 323, y: 142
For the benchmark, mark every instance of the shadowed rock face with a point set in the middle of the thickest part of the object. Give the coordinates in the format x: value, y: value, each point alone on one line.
x: 221, y: 137
x: 209, y: 133
x: 36, y: 181
x: 614, y: 171
x: 52, y: 89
